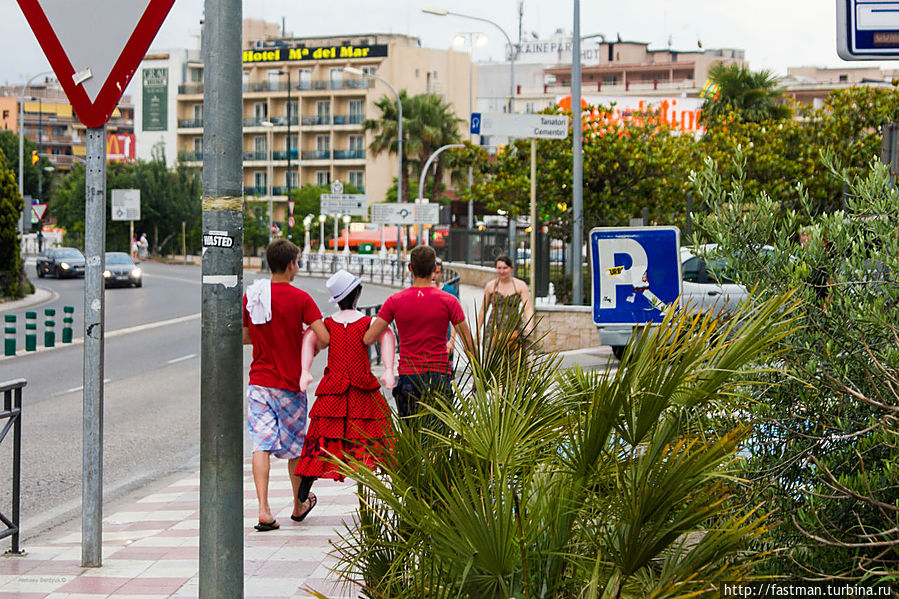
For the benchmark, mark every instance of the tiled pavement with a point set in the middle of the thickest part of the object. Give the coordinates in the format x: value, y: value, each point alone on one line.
x: 151, y: 550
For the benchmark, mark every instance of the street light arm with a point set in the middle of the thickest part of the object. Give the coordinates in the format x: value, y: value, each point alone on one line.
x: 424, y: 170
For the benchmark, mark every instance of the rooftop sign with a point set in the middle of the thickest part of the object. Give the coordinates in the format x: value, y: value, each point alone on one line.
x: 313, y: 54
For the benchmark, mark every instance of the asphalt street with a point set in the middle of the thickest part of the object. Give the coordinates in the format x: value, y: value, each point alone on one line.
x: 151, y: 393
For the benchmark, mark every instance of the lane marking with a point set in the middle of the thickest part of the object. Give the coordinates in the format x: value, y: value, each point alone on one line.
x: 181, y: 359
x: 74, y: 389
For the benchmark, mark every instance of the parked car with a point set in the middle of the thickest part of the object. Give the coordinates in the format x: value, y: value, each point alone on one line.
x: 121, y: 271
x: 60, y: 262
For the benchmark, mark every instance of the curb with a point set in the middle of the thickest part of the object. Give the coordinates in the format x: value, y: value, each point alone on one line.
x: 39, y: 296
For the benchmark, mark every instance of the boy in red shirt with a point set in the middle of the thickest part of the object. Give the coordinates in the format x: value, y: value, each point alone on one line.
x: 273, y: 317
x: 422, y: 314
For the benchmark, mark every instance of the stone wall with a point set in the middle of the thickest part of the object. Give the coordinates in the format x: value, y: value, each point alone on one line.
x: 565, y: 328
x: 470, y: 274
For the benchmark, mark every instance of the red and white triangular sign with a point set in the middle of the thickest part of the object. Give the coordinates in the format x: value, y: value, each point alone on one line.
x: 95, y: 46
x: 39, y: 210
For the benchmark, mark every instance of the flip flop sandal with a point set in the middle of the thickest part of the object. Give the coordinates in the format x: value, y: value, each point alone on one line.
x: 267, y: 526
x: 312, y: 501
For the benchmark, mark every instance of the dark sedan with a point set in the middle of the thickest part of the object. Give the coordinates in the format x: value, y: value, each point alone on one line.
x: 60, y: 262
x: 121, y: 271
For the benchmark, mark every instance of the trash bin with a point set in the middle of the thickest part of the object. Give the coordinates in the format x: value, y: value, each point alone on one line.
x: 366, y: 248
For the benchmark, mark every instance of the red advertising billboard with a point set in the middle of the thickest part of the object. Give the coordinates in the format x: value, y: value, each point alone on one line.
x: 120, y: 147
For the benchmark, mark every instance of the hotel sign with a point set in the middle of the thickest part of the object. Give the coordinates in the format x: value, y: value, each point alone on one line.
x: 314, y: 54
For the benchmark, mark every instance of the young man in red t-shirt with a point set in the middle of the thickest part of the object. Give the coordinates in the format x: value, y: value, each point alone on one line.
x: 422, y: 314
x: 273, y: 317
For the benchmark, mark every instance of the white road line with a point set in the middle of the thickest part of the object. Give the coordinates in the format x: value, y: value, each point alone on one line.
x: 181, y: 359
x: 79, y: 388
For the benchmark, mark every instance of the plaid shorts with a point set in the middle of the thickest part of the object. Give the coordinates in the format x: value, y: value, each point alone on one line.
x: 276, y: 420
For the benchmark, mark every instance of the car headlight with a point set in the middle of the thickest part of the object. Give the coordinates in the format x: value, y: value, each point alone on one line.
x: 64, y: 265
x: 135, y: 273
x: 106, y: 274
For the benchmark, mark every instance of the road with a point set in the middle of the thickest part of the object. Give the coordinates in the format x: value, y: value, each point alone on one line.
x: 151, y: 397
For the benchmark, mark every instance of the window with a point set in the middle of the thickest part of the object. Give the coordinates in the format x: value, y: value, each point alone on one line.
x: 323, y: 109
x: 260, y: 111
x: 293, y: 109
x: 370, y: 70
x: 844, y: 78
x: 357, y: 108
x: 357, y: 178
x: 305, y: 78
x: 322, y: 178
x: 198, y: 145
x: 260, y: 182
x: 292, y: 179
x: 196, y: 75
x: 272, y: 78
x: 335, y: 76
x: 357, y: 142
x: 259, y: 146
x: 692, y: 269
x: 294, y: 143
x: 322, y: 143
x: 198, y: 112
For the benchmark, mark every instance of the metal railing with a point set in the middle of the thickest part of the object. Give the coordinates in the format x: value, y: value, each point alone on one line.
x: 12, y: 413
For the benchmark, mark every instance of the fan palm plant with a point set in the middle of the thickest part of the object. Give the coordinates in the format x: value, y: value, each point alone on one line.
x: 748, y: 95
x: 533, y: 482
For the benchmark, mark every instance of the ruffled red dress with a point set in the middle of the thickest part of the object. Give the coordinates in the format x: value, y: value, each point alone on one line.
x: 349, y: 417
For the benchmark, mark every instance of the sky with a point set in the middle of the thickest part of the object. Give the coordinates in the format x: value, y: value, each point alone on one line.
x: 774, y: 33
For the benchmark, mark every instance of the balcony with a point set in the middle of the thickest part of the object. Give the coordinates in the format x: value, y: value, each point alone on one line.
x: 190, y: 156
x: 282, y: 154
x: 349, y: 154
x: 348, y: 119
x: 316, y: 120
x: 190, y: 123
x: 263, y: 191
x: 258, y: 156
x: 191, y: 88
x: 316, y: 155
x: 254, y: 121
x: 281, y: 121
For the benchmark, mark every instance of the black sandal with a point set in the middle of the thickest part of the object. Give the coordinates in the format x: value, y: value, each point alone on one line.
x: 312, y: 501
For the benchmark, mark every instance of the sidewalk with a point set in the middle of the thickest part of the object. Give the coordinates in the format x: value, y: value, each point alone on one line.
x: 151, y: 546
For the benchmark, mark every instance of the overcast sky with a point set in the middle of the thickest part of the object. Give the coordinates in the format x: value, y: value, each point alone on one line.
x: 775, y: 33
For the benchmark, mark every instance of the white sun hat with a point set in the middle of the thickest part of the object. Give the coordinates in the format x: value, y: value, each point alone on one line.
x: 341, y: 284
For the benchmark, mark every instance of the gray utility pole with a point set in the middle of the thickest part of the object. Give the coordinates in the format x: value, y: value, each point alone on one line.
x: 577, y: 167
x: 94, y: 325
x: 221, y: 357
x: 26, y: 210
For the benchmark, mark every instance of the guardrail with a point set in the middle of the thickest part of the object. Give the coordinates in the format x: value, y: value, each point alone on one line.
x: 12, y: 413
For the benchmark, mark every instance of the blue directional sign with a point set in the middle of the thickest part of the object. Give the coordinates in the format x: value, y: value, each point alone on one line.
x: 868, y: 29
x: 476, y: 123
x: 636, y: 273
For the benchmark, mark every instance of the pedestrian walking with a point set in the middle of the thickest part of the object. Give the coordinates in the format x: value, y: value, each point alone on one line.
x: 274, y: 316
x: 422, y: 314
x: 349, y: 417
x: 508, y: 300
x: 143, y: 247
x: 134, y: 248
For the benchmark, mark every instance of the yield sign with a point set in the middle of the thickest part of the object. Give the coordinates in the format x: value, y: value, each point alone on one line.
x: 94, y: 47
x: 39, y: 210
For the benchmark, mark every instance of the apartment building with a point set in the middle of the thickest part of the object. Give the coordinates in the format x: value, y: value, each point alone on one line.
x: 303, y: 114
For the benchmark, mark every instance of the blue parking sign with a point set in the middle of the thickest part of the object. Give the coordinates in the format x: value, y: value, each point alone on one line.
x: 475, y: 123
x: 636, y: 273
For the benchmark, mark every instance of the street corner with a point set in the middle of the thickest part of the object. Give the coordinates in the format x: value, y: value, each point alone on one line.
x: 38, y: 297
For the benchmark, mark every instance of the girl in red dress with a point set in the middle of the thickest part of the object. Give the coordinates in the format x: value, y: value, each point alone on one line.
x: 349, y: 417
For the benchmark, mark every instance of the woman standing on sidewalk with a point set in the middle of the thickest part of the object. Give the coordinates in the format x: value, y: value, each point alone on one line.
x: 509, y: 302
x: 350, y: 418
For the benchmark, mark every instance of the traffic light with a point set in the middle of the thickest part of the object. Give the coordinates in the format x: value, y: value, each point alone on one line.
x: 34, y: 157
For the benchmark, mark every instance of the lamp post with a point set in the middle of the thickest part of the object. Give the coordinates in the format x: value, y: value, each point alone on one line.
x: 321, y: 234
x: 307, y: 248
x: 480, y: 41
x: 269, y: 126
x: 577, y: 160
x: 346, y: 235
x: 421, y: 179
x: 442, y: 13
x: 21, y: 147
x: 399, y: 150
x: 336, y: 234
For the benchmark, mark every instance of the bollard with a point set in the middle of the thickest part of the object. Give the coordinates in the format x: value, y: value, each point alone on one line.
x: 49, y: 333
x: 9, y: 343
x: 30, y: 331
x: 67, y: 320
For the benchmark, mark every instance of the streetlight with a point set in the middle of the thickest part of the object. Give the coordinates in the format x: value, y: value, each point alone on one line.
x: 442, y: 13
x: 269, y: 126
x: 399, y: 148
x: 336, y: 235
x: 307, y: 249
x: 346, y: 233
x: 321, y: 234
x: 421, y: 179
x: 22, y: 146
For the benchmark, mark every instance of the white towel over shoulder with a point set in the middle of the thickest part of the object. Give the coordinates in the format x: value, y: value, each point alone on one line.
x: 259, y: 301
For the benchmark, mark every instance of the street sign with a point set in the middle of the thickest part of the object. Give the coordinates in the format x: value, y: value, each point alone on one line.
x: 39, y: 210
x: 291, y: 222
x: 290, y: 205
x: 336, y: 187
x: 405, y: 214
x: 95, y: 47
x: 868, y: 29
x: 636, y: 273
x: 354, y: 204
x: 125, y: 204
x: 540, y: 126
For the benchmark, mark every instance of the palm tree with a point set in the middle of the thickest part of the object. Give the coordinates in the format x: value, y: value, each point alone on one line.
x: 747, y: 95
x: 428, y: 123
x: 532, y: 483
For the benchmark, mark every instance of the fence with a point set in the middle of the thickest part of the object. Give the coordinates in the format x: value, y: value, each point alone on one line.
x: 12, y: 414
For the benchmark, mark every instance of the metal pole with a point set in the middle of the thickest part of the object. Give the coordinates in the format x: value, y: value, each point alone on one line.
x: 221, y: 357
x: 336, y: 234
x: 40, y: 140
x: 533, y: 218
x: 577, y: 167
x: 25, y: 209
x: 424, y: 172
x: 94, y: 324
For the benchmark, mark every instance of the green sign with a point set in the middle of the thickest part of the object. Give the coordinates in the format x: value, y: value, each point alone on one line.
x: 156, y: 99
